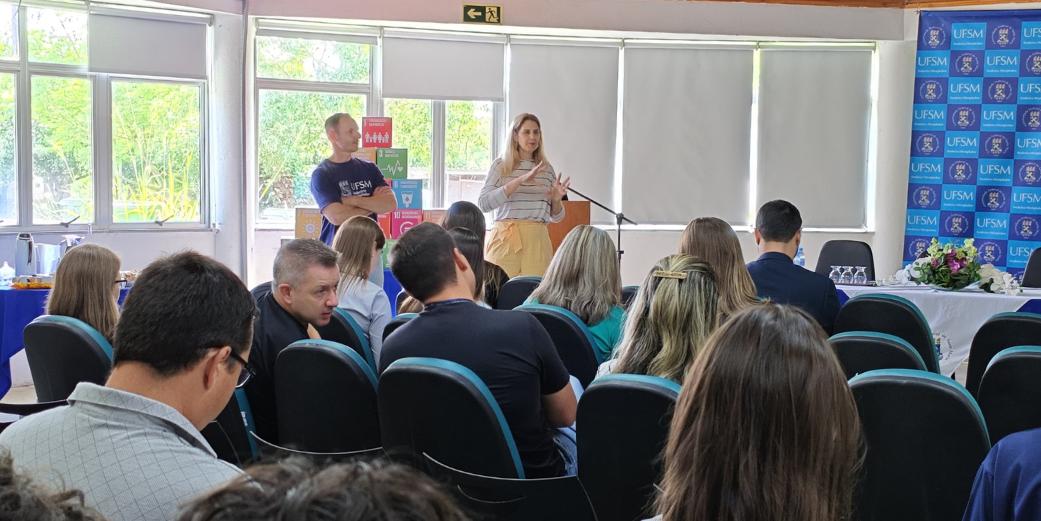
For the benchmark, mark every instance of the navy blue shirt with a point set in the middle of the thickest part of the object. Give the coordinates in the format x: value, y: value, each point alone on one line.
x: 510, y: 352
x: 778, y: 279
x: 332, y: 181
x: 1008, y: 484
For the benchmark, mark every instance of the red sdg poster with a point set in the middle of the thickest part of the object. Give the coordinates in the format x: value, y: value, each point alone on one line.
x: 376, y: 132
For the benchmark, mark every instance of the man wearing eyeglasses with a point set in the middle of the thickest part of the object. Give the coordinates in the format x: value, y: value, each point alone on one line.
x: 133, y: 445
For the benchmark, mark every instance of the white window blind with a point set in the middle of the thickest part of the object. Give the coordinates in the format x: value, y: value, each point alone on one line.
x: 814, y: 119
x: 686, y: 121
x: 147, y: 44
x: 573, y: 89
x: 419, y: 66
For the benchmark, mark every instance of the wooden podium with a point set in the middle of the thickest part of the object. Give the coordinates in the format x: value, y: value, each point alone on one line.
x: 575, y: 214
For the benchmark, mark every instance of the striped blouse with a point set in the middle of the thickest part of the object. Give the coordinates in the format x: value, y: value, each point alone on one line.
x: 527, y: 203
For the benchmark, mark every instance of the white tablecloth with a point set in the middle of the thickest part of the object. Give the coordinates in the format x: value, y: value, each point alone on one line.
x: 954, y: 316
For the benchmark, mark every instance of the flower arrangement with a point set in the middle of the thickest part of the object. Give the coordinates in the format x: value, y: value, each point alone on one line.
x: 947, y: 266
x: 993, y: 280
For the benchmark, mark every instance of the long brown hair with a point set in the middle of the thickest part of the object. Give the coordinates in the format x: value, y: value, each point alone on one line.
x: 85, y: 288
x: 583, y: 275
x: 671, y: 318
x: 353, y: 245
x: 714, y: 241
x: 765, y: 428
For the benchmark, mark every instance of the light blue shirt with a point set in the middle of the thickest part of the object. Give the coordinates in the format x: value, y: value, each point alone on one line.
x: 134, y: 458
x: 369, y: 306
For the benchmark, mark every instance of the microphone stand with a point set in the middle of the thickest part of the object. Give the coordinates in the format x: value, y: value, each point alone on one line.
x: 618, y: 219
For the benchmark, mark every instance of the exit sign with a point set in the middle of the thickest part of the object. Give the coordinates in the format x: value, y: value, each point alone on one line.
x: 482, y: 14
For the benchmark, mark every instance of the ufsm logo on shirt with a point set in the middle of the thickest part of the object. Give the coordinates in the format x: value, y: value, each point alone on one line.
x: 352, y: 188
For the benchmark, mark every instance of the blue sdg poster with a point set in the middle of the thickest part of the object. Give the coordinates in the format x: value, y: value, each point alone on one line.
x: 975, y: 166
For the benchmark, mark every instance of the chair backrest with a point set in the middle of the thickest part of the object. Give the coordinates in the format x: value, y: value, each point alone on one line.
x: 441, y: 408
x: 343, y: 329
x: 399, y: 299
x: 229, y: 433
x: 1010, y: 391
x: 571, y: 337
x: 625, y: 422
x: 863, y: 351
x: 326, y: 398
x: 270, y: 450
x: 629, y: 295
x: 397, y: 322
x: 846, y: 253
x: 893, y: 315
x: 62, y: 352
x: 1032, y: 273
x: 1000, y: 332
x: 516, y: 290
x: 925, y: 439
x: 510, y: 499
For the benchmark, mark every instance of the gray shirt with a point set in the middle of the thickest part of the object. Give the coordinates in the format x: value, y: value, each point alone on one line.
x: 133, y: 458
x: 528, y: 203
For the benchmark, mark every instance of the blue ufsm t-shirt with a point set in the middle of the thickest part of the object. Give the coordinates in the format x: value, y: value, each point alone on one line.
x: 332, y: 181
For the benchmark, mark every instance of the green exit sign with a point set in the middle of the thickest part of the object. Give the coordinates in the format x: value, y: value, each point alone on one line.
x: 482, y: 14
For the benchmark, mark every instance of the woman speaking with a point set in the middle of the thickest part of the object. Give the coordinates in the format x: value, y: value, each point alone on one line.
x: 525, y: 194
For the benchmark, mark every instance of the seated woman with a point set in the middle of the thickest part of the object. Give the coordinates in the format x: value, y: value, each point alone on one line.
x: 583, y: 278
x: 464, y: 214
x: 671, y: 317
x: 468, y: 244
x: 86, y: 286
x: 358, y: 244
x: 713, y: 241
x: 765, y: 427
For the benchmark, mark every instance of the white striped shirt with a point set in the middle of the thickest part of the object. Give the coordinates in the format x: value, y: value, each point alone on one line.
x: 529, y: 202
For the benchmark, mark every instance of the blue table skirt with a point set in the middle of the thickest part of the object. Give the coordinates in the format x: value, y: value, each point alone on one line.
x: 391, y: 287
x: 18, y: 307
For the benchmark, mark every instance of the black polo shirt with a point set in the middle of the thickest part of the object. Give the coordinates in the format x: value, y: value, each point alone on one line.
x: 273, y: 331
x: 510, y: 351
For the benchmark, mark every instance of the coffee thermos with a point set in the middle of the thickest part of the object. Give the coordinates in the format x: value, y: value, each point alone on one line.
x: 24, y: 255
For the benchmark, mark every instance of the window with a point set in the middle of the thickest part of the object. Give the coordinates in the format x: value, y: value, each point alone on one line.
x: 57, y: 36
x: 301, y: 81
x: 291, y: 143
x: 468, y: 148
x: 84, y: 145
x: 63, y: 184
x: 414, y: 130
x: 156, y: 152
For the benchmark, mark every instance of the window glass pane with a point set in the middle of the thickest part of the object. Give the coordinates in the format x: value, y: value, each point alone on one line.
x: 291, y: 143
x: 156, y: 160
x: 63, y: 185
x: 8, y: 172
x: 57, y: 36
x: 414, y: 130
x: 8, y: 31
x: 468, y: 148
x: 314, y: 60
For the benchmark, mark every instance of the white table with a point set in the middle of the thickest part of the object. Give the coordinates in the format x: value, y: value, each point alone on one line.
x: 954, y: 316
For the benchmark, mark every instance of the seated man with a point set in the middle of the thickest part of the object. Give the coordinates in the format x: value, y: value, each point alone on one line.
x: 133, y: 446
x: 301, y: 297
x: 1008, y: 483
x: 509, y: 350
x: 778, y: 231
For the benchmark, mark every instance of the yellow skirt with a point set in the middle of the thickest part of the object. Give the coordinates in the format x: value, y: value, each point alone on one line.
x: 520, y: 247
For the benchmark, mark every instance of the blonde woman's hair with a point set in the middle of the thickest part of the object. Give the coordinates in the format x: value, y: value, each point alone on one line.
x: 583, y: 275
x: 713, y: 240
x: 512, y: 156
x: 353, y: 245
x: 85, y: 288
x: 672, y: 316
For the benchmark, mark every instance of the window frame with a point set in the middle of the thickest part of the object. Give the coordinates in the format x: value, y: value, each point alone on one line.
x: 100, y: 136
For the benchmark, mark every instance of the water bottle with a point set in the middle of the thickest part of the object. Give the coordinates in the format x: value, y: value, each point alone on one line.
x: 6, y: 275
x: 800, y: 259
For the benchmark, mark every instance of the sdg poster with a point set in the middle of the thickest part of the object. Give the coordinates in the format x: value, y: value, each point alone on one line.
x: 975, y: 169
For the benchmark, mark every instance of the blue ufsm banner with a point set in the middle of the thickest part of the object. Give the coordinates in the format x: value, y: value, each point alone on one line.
x: 975, y: 166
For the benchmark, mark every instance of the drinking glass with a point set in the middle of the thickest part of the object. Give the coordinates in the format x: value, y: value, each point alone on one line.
x: 835, y: 275
x: 860, y: 277
x: 847, y: 275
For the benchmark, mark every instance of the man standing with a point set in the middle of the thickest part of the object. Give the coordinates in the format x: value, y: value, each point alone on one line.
x: 133, y: 445
x: 301, y: 297
x: 778, y: 231
x: 345, y: 186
